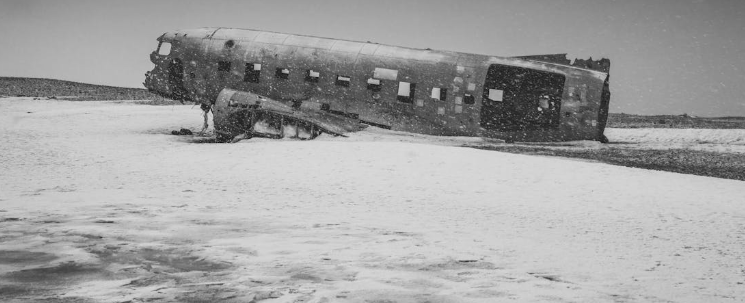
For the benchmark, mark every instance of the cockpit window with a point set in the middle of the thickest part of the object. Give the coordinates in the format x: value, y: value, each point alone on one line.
x: 164, y: 48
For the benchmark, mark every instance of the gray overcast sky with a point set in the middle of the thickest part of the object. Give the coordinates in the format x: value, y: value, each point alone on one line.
x: 667, y: 56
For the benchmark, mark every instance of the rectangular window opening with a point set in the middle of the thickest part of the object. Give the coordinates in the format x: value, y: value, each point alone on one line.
x: 164, y: 48
x: 496, y: 95
x: 374, y: 84
x: 543, y: 102
x: 406, y: 92
x: 253, y: 73
x: 469, y: 99
x: 312, y: 76
x: 385, y: 74
x: 343, y: 81
x: 439, y: 93
x: 282, y: 73
x: 223, y: 66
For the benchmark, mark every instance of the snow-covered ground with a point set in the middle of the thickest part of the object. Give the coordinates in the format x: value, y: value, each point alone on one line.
x: 718, y: 140
x: 98, y: 201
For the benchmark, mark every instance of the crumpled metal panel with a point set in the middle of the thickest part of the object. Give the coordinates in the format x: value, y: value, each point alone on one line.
x: 327, y: 122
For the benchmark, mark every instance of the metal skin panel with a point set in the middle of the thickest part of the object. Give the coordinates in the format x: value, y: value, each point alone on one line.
x: 234, y: 34
x: 271, y: 38
x: 309, y: 42
x: 369, y: 49
x: 347, y: 47
x: 357, y: 60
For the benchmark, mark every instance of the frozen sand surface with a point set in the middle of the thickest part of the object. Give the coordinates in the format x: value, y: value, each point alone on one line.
x: 349, y: 220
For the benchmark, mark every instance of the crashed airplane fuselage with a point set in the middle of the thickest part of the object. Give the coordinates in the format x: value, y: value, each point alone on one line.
x: 257, y: 81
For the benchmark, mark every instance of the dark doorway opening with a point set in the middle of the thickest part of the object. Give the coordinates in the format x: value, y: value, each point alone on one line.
x: 176, y: 79
x: 518, y: 98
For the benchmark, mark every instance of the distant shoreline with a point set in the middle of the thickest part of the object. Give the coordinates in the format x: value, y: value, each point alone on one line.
x: 73, y: 91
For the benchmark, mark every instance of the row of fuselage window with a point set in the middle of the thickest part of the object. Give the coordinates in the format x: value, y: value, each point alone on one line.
x: 406, y: 90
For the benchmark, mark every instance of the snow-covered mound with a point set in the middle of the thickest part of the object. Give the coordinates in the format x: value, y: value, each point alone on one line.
x: 100, y: 195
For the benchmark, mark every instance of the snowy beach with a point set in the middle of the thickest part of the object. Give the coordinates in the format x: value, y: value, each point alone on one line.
x: 99, y: 203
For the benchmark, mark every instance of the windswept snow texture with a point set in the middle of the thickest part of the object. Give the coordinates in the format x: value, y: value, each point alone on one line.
x: 98, y: 203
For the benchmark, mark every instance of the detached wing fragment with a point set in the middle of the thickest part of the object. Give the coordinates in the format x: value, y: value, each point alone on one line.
x: 257, y: 115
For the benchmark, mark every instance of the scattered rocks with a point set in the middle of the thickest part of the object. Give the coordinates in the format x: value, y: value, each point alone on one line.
x: 182, y: 132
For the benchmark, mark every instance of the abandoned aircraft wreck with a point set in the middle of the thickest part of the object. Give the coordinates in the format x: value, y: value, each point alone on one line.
x: 260, y: 83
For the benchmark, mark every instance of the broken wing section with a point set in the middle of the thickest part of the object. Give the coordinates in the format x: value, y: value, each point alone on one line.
x: 239, y: 112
